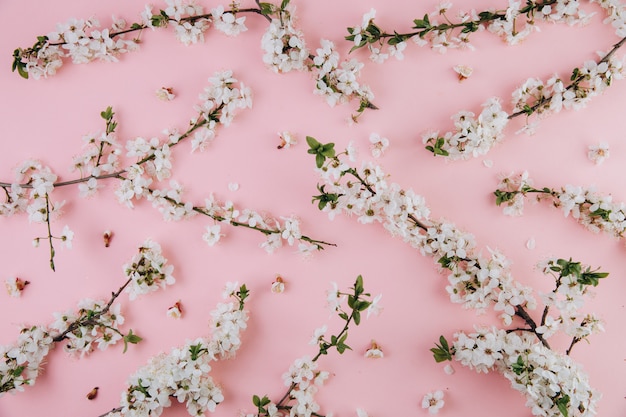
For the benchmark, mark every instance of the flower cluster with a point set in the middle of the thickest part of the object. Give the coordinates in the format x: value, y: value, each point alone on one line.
x: 475, y: 136
x: 148, y: 271
x: 439, y: 31
x: 144, y: 178
x: 597, y: 212
x: 95, y: 323
x: 553, y: 384
x: 80, y: 40
x: 285, y: 50
x: 219, y: 103
x: 283, y: 45
x: 303, y: 378
x: 21, y: 363
x: 184, y: 372
x: 474, y: 281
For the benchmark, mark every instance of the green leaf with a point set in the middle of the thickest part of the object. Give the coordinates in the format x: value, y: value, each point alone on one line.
x: 504, y: 196
x: 358, y: 286
x: 136, y: 26
x: 256, y: 400
x: 131, y: 338
x: 422, y: 23
x: 313, y: 144
x: 441, y: 351
x: 519, y: 366
x: 284, y: 4
x: 21, y: 69
x: 562, y: 403
x: 328, y: 150
x: 107, y: 114
x: 266, y: 8
x: 319, y: 160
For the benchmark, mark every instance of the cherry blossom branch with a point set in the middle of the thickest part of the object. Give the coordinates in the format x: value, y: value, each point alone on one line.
x: 444, y: 34
x: 101, y: 161
x: 283, y: 45
x: 478, y: 283
x: 95, y: 322
x: 476, y: 135
x: 304, y: 371
x: 188, y: 367
x: 596, y: 212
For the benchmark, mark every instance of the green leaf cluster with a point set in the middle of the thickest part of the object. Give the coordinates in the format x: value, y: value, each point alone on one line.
x: 261, y: 404
x: 584, y: 276
x: 441, y: 351
x: 325, y: 198
x: 242, y: 295
x: 107, y: 115
x: 321, y: 151
x: 130, y: 338
x: 160, y: 20
x: 19, y: 53
x: 371, y: 34
x: 437, y: 147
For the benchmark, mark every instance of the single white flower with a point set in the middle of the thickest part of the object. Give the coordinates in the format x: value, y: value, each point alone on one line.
x: 375, y: 307
x: 287, y: 139
x: 463, y: 71
x: 379, y: 145
x: 598, y: 153
x: 165, y: 94
x: 15, y: 286
x: 374, y: 352
x: 67, y: 236
x: 233, y: 186
x: 433, y: 401
x: 175, y: 311
x: 278, y: 286
x: 212, y: 235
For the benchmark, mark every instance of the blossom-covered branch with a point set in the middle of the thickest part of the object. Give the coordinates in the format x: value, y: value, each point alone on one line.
x: 477, y: 282
x: 283, y: 44
x: 303, y: 377
x: 597, y: 212
x: 476, y: 135
x: 101, y: 160
x: 94, y: 323
x: 184, y: 373
x: 436, y: 29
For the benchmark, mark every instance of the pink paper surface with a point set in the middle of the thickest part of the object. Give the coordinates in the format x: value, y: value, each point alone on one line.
x: 46, y: 119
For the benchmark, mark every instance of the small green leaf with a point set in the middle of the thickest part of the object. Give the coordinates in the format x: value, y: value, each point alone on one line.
x: 312, y: 142
x: 267, y: 8
x: 441, y: 352
x: 319, y: 160
x: 356, y: 316
x: 358, y: 286
x: 131, y: 338
x: 562, y: 403
x: 519, y: 366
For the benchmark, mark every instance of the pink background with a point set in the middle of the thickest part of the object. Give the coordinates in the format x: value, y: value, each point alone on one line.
x: 46, y: 119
